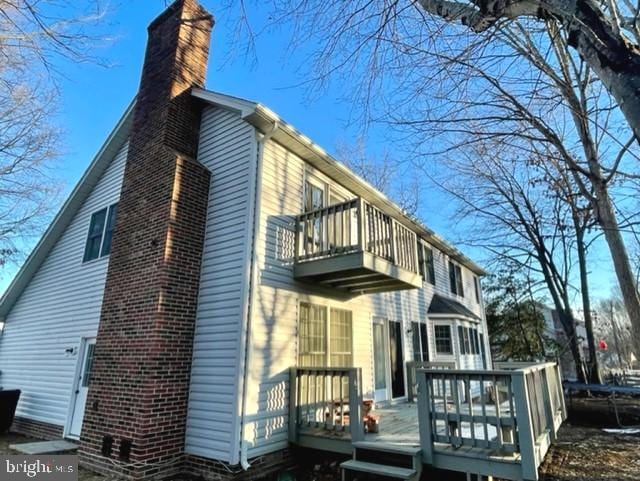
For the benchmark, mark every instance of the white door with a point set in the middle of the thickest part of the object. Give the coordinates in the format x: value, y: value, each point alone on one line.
x: 82, y: 387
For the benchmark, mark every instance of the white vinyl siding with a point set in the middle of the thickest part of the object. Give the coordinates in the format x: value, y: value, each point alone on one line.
x: 227, y: 149
x: 275, y: 323
x: 60, y: 305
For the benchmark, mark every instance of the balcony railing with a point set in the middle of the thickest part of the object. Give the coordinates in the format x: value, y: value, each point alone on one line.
x: 351, y: 227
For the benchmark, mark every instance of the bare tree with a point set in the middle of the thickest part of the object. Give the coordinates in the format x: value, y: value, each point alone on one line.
x: 519, y: 220
x: 36, y: 37
x: 558, y: 73
x: 604, y: 33
x: 384, y: 173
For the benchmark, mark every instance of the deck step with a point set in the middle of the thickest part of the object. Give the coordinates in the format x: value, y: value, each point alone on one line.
x: 379, y: 469
x: 388, y: 447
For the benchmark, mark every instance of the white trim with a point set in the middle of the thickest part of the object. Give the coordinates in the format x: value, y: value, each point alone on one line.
x: 74, y: 386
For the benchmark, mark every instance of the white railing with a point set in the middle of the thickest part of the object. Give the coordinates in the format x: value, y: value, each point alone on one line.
x: 354, y: 226
x: 323, y: 400
x: 514, y: 411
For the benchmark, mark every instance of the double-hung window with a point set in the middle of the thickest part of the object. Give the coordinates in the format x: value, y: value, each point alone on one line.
x: 455, y: 278
x: 325, y: 336
x: 100, y: 233
x: 476, y: 286
x: 426, y: 264
x: 443, y: 339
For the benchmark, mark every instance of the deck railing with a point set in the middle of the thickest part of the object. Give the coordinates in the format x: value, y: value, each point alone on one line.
x: 354, y: 226
x: 324, y: 400
x: 412, y: 383
x: 514, y: 412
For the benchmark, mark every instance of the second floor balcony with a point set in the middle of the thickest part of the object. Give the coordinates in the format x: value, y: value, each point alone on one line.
x: 355, y: 247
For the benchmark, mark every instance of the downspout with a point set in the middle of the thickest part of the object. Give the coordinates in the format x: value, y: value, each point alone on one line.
x: 262, y: 139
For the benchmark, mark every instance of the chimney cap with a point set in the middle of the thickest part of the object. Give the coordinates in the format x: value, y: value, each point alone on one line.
x: 177, y: 6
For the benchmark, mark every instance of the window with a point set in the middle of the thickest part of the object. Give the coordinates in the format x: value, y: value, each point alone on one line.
x: 467, y: 341
x: 426, y: 265
x: 476, y: 286
x: 324, y: 341
x: 340, y: 338
x: 473, y: 338
x: 100, y: 233
x: 484, y: 357
x: 443, y: 339
x: 313, y: 336
x: 313, y: 196
x: 455, y: 278
x: 419, y: 341
x: 461, y: 340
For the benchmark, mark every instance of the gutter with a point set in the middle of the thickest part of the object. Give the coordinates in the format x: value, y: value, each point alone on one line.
x: 262, y: 139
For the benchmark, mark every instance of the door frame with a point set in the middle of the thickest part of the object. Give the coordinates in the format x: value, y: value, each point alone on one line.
x: 74, y: 385
x: 389, y: 399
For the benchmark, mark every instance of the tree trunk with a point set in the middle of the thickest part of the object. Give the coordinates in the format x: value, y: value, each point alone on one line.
x: 569, y: 324
x: 608, y: 222
x: 610, y: 55
x: 614, y: 59
x: 594, y: 367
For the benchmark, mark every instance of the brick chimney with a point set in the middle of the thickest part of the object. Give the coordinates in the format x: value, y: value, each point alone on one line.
x: 136, y: 409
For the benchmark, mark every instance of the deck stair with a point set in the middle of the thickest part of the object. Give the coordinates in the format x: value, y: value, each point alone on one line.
x: 383, y: 459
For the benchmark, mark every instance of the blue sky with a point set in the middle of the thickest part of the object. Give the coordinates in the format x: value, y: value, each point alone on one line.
x: 93, y: 97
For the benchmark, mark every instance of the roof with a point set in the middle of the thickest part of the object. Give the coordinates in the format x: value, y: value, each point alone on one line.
x: 68, y: 210
x: 441, y: 305
x: 265, y: 119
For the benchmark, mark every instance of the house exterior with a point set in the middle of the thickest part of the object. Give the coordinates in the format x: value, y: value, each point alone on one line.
x: 209, y: 248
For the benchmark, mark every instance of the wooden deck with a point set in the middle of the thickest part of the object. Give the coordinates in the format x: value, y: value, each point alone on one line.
x: 491, y: 423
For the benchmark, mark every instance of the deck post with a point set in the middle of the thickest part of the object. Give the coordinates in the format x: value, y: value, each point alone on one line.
x: 411, y: 380
x: 356, y: 423
x: 293, y: 407
x: 549, y: 410
x: 424, y: 417
x: 296, y: 249
x: 361, y: 226
x: 558, y: 380
x: 526, y: 441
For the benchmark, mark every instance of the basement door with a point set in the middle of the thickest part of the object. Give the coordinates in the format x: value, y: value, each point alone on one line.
x: 82, y: 388
x: 388, y: 360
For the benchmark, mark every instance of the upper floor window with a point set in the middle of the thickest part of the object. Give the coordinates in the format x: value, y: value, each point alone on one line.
x: 455, y: 278
x: 313, y: 196
x: 443, y: 339
x: 100, y: 233
x: 476, y: 286
x: 426, y: 264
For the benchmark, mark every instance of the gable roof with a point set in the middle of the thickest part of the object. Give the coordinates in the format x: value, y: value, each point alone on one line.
x: 265, y: 119
x: 441, y: 305
x: 68, y: 210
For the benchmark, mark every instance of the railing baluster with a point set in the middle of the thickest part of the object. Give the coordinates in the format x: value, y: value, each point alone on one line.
x: 497, y: 412
x: 485, y: 422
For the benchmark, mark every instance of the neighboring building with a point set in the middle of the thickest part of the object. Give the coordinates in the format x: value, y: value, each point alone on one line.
x: 554, y: 329
x: 208, y: 248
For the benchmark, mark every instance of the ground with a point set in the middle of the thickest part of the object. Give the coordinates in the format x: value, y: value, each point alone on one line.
x: 583, y: 452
